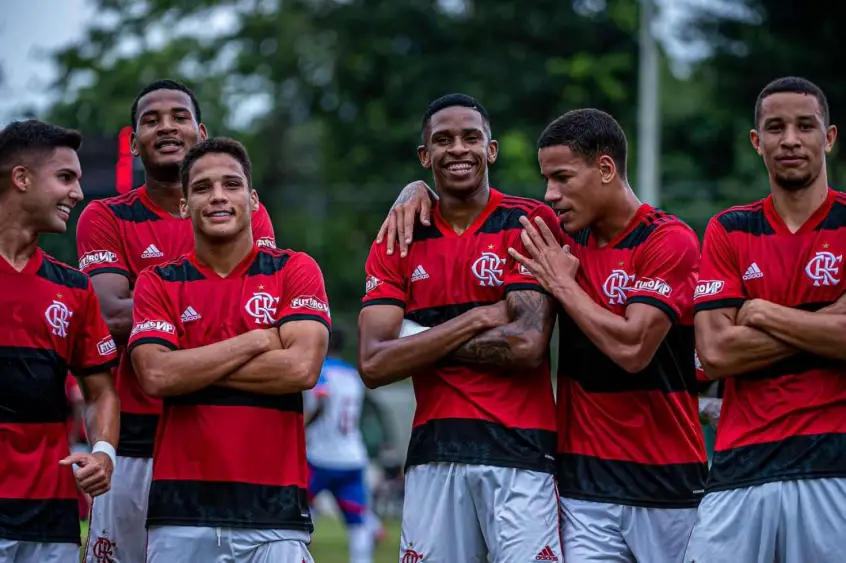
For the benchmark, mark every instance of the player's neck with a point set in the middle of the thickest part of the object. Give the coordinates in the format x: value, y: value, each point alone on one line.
x: 795, y: 207
x: 165, y: 193
x: 617, y: 216
x: 17, y: 240
x: 223, y: 257
x: 460, y: 210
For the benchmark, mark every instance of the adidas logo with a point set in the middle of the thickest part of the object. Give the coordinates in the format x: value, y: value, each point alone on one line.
x: 753, y: 272
x: 152, y: 252
x: 419, y: 274
x: 546, y: 554
x: 190, y: 315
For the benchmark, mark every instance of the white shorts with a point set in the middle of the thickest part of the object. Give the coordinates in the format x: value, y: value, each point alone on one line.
x: 12, y: 551
x: 172, y: 544
x: 118, y: 518
x: 799, y: 521
x: 454, y: 513
x: 599, y: 532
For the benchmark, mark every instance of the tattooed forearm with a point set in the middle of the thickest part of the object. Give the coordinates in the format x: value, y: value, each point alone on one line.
x: 524, y: 342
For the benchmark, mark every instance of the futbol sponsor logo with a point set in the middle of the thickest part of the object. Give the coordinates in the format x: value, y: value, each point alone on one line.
x: 97, y: 257
x: 106, y: 346
x: 372, y: 283
x: 706, y: 288
x: 153, y: 326
x: 653, y: 285
x: 310, y: 302
x: 266, y: 242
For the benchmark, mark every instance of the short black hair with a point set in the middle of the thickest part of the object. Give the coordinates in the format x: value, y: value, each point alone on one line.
x: 792, y: 85
x: 164, y: 84
x: 589, y: 133
x: 217, y: 145
x: 450, y: 101
x: 27, y: 143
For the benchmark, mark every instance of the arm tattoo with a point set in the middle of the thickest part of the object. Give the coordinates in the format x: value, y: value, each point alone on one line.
x: 532, y: 317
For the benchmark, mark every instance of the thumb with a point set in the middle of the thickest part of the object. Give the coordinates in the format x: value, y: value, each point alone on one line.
x: 566, y: 248
x: 79, y: 459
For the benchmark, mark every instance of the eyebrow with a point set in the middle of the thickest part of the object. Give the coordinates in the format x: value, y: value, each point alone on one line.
x: 176, y: 109
x: 71, y: 171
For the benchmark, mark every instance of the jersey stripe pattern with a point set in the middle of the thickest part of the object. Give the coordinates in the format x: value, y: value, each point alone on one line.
x: 123, y: 235
x: 468, y: 414
x: 633, y: 438
x: 788, y: 420
x: 51, y: 322
x: 225, y: 457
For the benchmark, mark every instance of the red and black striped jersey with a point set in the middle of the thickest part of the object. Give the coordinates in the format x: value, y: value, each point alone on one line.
x: 51, y: 323
x: 786, y: 421
x: 124, y: 235
x: 469, y: 414
x: 225, y: 457
x: 628, y: 438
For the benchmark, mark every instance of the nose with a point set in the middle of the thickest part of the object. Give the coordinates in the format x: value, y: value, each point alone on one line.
x: 166, y: 126
x: 458, y: 148
x: 218, y: 194
x: 552, y: 194
x: 76, y: 194
x: 790, y: 139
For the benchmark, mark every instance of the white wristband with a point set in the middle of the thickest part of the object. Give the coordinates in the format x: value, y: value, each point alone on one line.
x: 106, y: 448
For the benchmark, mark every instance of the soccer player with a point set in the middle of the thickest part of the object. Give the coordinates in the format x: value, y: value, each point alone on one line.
x: 51, y: 322
x: 337, y: 457
x: 480, y: 463
x: 118, y: 237
x: 229, y: 335
x: 631, y: 459
x: 770, y: 321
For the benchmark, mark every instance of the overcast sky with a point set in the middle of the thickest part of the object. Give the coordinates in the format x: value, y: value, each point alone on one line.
x: 29, y: 28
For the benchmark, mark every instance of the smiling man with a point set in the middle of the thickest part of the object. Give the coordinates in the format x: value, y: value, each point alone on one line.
x: 230, y: 475
x: 479, y: 484
x: 117, y: 238
x: 770, y: 321
x: 51, y: 322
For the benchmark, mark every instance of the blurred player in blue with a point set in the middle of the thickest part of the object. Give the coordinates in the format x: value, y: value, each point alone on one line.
x: 337, y: 457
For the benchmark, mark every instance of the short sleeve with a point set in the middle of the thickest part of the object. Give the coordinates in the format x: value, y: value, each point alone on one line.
x: 304, y: 295
x: 517, y: 277
x: 263, y: 234
x: 385, y: 284
x: 153, y: 321
x: 666, y: 267
x: 98, y: 242
x: 720, y: 281
x: 94, y: 349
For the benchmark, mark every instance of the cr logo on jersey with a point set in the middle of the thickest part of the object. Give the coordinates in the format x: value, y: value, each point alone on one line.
x: 488, y: 269
x: 823, y: 268
x: 262, y: 307
x: 616, y: 285
x: 58, y: 317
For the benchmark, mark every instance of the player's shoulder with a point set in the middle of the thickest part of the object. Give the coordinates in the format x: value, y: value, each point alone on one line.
x: 747, y: 218
x: 656, y: 224
x: 270, y: 261
x: 517, y: 206
x: 57, y: 272
x: 179, y: 269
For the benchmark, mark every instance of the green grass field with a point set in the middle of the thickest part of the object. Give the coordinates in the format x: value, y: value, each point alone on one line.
x: 329, y: 544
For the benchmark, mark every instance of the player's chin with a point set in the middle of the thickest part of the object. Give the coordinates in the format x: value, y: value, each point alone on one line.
x: 794, y: 180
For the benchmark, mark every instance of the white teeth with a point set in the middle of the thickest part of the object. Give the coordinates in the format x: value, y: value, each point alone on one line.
x: 64, y: 208
x: 459, y: 167
x: 221, y: 214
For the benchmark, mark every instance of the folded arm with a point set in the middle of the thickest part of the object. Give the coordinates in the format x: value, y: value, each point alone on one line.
x: 726, y: 349
x: 385, y: 358
x: 163, y: 372
x: 293, y: 369
x: 822, y: 333
x: 523, y: 342
x: 115, y: 303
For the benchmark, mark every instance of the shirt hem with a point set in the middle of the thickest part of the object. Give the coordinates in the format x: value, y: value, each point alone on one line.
x: 35, y: 538
x: 743, y: 483
x: 235, y: 524
x: 640, y: 503
x: 509, y: 464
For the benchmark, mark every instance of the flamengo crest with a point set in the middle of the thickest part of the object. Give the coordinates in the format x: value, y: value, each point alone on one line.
x: 262, y: 307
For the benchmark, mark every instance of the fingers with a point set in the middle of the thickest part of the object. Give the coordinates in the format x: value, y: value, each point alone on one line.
x: 95, y: 485
x: 407, y: 227
x: 534, y: 236
x: 425, y: 211
x: 392, y: 230
x: 528, y: 263
x: 79, y: 459
x: 529, y: 243
x: 545, y: 232
x: 383, y: 229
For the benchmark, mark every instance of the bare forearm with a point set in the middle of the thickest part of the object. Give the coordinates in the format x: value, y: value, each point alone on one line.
x: 178, y: 372
x: 277, y: 372
x: 742, y: 349
x: 821, y: 334
x: 397, y: 359
x: 103, y: 419
x: 522, y: 343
